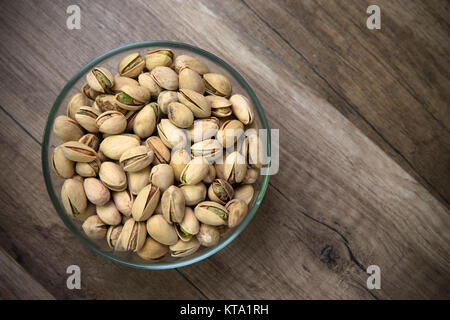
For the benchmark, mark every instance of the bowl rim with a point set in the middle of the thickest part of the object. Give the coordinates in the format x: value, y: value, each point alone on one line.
x: 158, y: 265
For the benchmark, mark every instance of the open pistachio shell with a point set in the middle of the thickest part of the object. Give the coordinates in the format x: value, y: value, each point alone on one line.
x: 172, y: 136
x: 120, y: 81
x: 220, y: 106
x: 242, y: 109
x: 131, y: 65
x: 230, y: 132
x: 173, y: 205
x: 159, y: 57
x: 86, y: 117
x: 160, y: 230
x: 91, y: 140
x: 94, y: 227
x: 152, y: 250
x: 183, y: 248
x: 146, y: 80
x: 145, y: 121
x: 67, y: 129
x: 132, y: 97
x: 220, y: 191
x: 162, y: 176
x: 210, y: 149
x: 111, y: 122
x: 113, y: 235
x: 245, y: 193
x: 136, y: 158
x: 106, y: 102
x: 217, y: 84
x: 203, y: 129
x: 88, y: 92
x: 145, y: 203
x: 63, y: 167
x: 189, y: 227
x: 78, y: 152
x: 138, y: 180
x: 165, y: 77
x: 208, y: 236
x: 180, y: 115
x: 190, y: 79
x: 132, y: 237
x: 195, y: 171
x: 255, y: 150
x: 88, y: 169
x: 162, y: 153
x: 78, y: 100
x: 109, y: 214
x: 185, y: 61
x: 73, y: 197
x: 195, y: 101
x: 194, y: 193
x: 114, y: 146
x: 237, y: 211
x: 113, y: 176
x: 180, y: 158
x: 165, y: 98
x: 124, y: 201
x: 235, y: 168
x: 211, y: 213
x: 96, y: 192
x: 100, y: 79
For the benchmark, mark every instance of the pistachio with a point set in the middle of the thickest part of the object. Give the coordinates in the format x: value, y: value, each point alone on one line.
x: 132, y: 237
x: 106, y: 102
x: 86, y: 116
x: 146, y: 80
x: 183, y: 249
x: 130, y: 116
x: 114, y: 146
x: 195, y: 171
x: 242, y: 109
x: 180, y: 158
x: 245, y: 193
x: 165, y: 98
x: 159, y: 57
x: 91, y: 140
x: 162, y: 153
x: 195, y: 101
x: 230, y: 132
x: 78, y: 100
x: 208, y: 236
x: 88, y: 92
x: 113, y: 235
x: 190, y: 79
x: 94, y: 227
x: 95, y: 191
x: 111, y: 122
x: 88, y: 169
x: 162, y: 176
x: 255, y: 151
x: 220, y: 168
x: 173, y: 205
x: 158, y: 209
x: 194, y: 193
x: 73, y: 197
x: 113, y: 176
x: 120, y: 81
x: 189, y: 226
x: 67, y: 129
x: 165, y: 77
x: 145, y: 121
x: 89, y: 211
x: 152, y: 250
x: 78, y: 152
x: 217, y: 84
x: 132, y: 97
x: 138, y: 180
x: 63, y: 167
x: 203, y: 129
x: 160, y: 230
x: 210, y: 149
x: 185, y: 61
x: 220, y: 106
x: 220, y: 191
x: 180, y: 115
x: 251, y: 176
x: 131, y: 65
x: 212, y: 213
x: 235, y: 168
x: 145, y: 203
x: 109, y: 214
x: 100, y: 80
x: 211, y: 174
x: 172, y: 136
x: 124, y: 201
x: 237, y: 211
x: 136, y: 158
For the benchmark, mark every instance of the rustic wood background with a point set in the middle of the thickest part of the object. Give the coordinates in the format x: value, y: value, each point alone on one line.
x: 364, y: 145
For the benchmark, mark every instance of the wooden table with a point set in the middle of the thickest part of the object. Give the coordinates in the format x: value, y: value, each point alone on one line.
x: 364, y: 147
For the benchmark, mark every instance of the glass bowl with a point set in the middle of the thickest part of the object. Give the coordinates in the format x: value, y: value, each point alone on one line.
x: 110, y: 60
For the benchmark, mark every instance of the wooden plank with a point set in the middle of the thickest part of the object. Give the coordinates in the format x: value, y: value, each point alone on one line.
x: 34, y: 235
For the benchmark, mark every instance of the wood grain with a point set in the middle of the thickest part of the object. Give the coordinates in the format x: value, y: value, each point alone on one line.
x: 364, y: 146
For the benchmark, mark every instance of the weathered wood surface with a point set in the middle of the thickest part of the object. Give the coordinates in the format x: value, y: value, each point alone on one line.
x: 363, y: 118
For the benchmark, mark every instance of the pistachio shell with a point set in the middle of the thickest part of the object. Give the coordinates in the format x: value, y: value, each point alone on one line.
x: 220, y: 191
x: 73, y: 197
x: 220, y: 106
x: 237, y: 211
x: 159, y: 57
x: 113, y: 235
x: 245, y: 193
x: 208, y: 236
x: 138, y: 180
x: 131, y: 65
x: 195, y: 101
x: 183, y: 249
x: 67, y: 129
x: 132, y: 237
x: 136, y: 158
x: 180, y: 158
x: 195, y: 171
x: 255, y: 149
x: 114, y: 146
x: 190, y: 79
x: 162, y: 153
x: 220, y: 168
x: 152, y: 250
x: 100, y: 79
x: 189, y: 226
x: 96, y: 192
x: 180, y: 115
x: 111, y: 122
x: 109, y: 214
x: 194, y: 193
x: 203, y: 129
x: 165, y: 77
x: 185, y: 61
x: 145, y: 121
x: 146, y: 80
x: 120, y: 81
x: 165, y: 98
x: 63, y: 167
x: 210, y: 149
x: 172, y: 136
x: 160, y: 230
x: 211, y: 174
x: 145, y: 203
x: 251, y: 176
x: 106, y: 102
x: 132, y: 97
x: 217, y: 84
x: 124, y: 201
x: 242, y: 109
x: 162, y: 176
x: 235, y: 167
x: 230, y: 132
x: 88, y: 169
x: 86, y: 116
x: 94, y: 227
x: 90, y: 211
x: 78, y: 152
x: 173, y: 205
x: 91, y: 140
x: 113, y: 176
x: 78, y: 100
x: 212, y: 213
x: 88, y: 92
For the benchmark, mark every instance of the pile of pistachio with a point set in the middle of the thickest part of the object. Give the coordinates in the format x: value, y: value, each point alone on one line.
x: 146, y: 155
